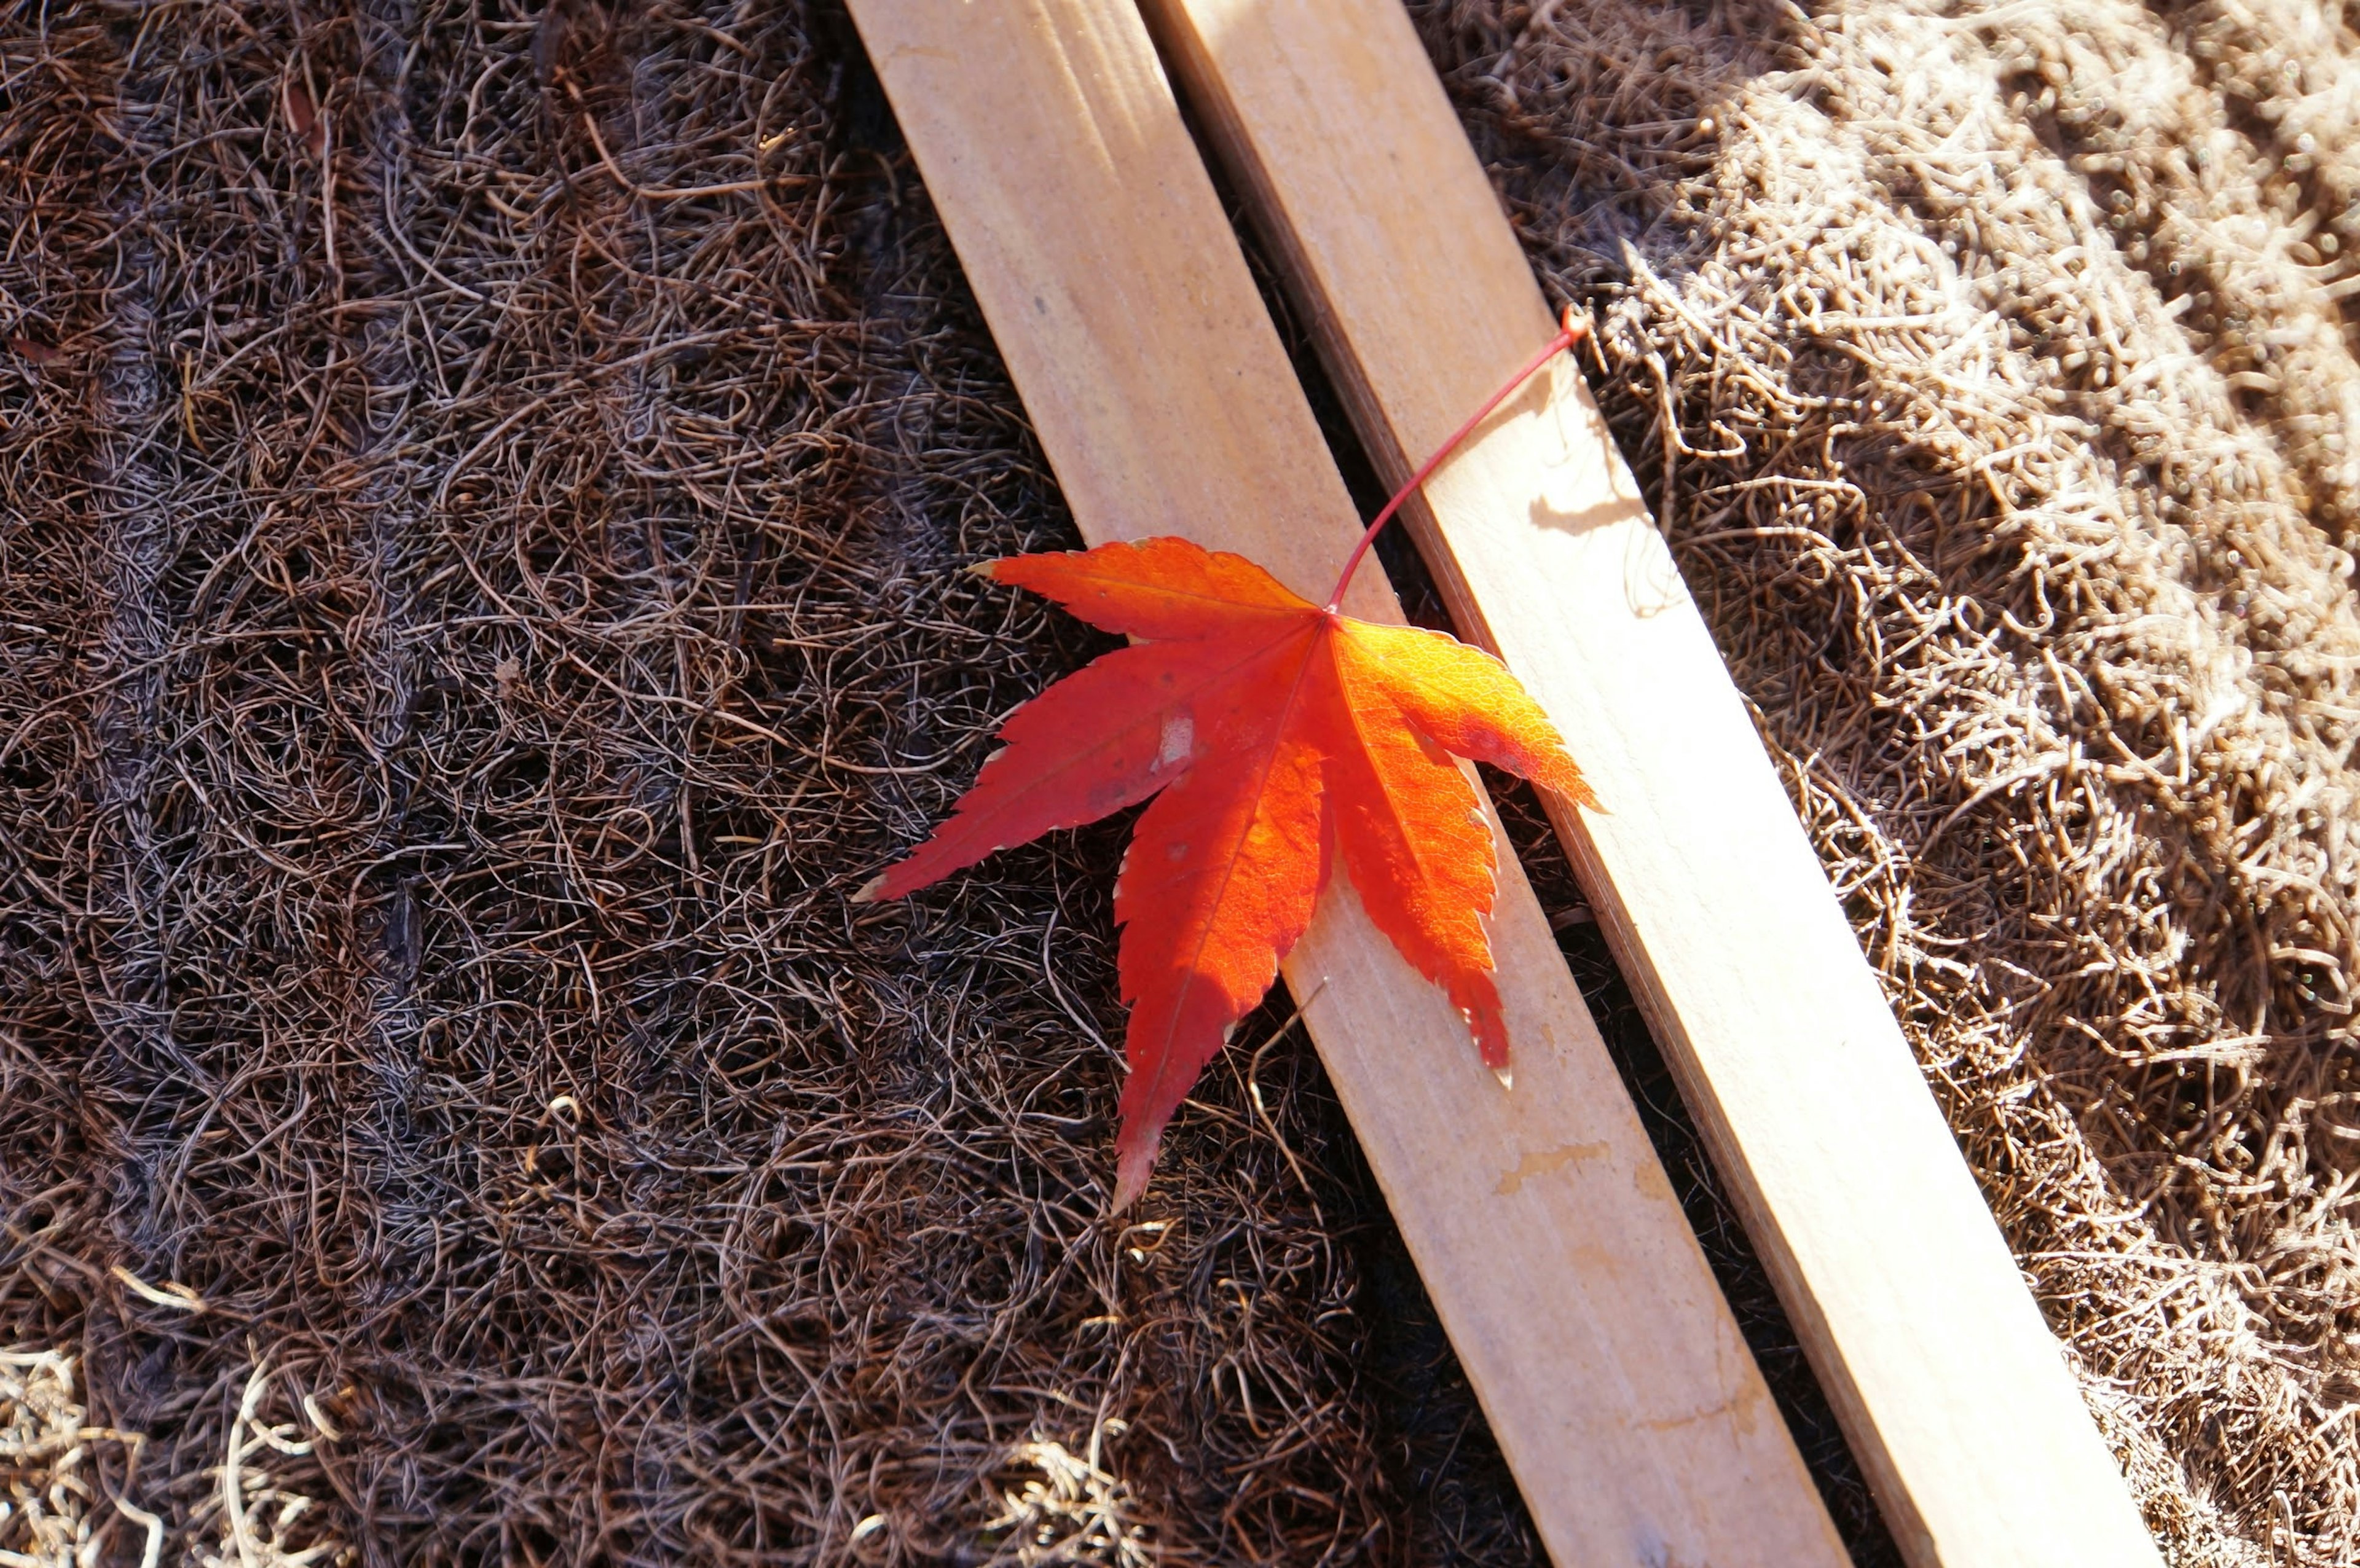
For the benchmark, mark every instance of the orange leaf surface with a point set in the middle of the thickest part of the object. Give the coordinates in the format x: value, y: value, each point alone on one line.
x: 1280, y: 741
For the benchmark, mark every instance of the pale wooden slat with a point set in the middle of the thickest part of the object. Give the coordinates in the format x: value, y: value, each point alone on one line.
x: 1585, y: 1315
x: 1953, y: 1389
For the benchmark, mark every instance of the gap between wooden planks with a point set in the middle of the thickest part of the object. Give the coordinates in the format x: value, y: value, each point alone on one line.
x: 1613, y: 1376
x: 1954, y: 1394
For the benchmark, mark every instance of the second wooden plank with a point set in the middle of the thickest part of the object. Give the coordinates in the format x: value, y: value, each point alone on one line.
x: 1954, y: 1393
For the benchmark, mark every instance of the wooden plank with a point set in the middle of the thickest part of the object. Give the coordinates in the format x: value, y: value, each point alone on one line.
x: 1954, y: 1393
x: 1586, y: 1317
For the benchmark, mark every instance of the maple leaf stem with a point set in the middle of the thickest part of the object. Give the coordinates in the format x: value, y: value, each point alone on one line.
x: 1569, y: 332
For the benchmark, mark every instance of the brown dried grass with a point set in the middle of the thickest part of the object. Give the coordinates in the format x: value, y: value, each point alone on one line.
x: 1993, y: 368
x: 468, y: 626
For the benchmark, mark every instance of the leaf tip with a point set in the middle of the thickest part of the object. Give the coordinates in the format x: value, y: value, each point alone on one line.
x: 1505, y: 1074
x: 1572, y: 788
x: 1135, y: 1147
x: 870, y: 891
x: 1130, y: 1182
x: 986, y: 569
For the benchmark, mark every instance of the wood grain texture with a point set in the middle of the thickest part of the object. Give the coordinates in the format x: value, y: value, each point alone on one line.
x: 1954, y: 1393
x: 1586, y: 1317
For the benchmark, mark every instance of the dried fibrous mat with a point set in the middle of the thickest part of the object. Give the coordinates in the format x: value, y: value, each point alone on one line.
x: 482, y: 492
x: 249, y: 1519
x: 1069, y: 1510
x: 1991, y: 368
x: 51, y: 1512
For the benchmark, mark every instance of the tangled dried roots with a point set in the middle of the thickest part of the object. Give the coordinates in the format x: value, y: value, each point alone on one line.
x: 1067, y: 1509
x: 1991, y: 368
x: 57, y: 1509
x: 470, y: 620
x: 469, y: 623
x: 253, y: 1521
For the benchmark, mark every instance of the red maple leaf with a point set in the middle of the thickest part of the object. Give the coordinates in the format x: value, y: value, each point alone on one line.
x: 1279, y: 739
